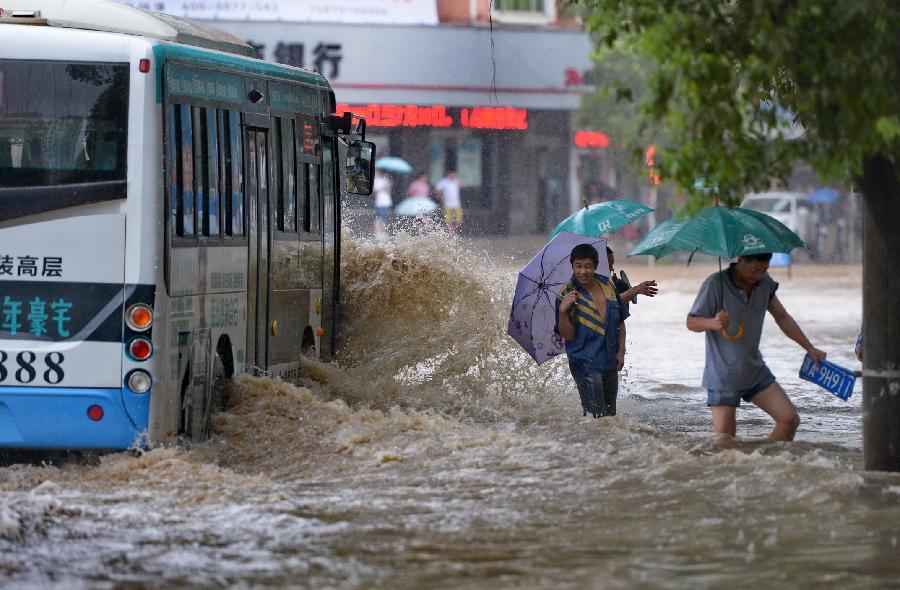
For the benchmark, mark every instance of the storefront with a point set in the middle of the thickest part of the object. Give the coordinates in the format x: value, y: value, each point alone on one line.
x: 496, y: 105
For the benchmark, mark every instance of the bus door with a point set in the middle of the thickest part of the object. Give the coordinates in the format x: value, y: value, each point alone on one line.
x: 257, y: 187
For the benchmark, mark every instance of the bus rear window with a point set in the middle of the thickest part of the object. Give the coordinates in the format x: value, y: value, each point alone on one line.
x: 62, y: 123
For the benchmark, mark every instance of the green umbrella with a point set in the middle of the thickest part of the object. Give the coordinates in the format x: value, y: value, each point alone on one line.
x: 601, y: 218
x: 723, y: 232
x: 720, y: 231
x: 658, y: 242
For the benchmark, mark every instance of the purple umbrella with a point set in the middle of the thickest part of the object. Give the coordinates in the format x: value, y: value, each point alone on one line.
x: 533, y: 314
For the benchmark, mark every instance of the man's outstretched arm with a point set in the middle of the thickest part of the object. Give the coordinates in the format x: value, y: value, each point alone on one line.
x: 792, y: 330
x: 647, y: 288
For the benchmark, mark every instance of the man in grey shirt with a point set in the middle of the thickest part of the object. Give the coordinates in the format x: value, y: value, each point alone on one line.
x: 730, y: 308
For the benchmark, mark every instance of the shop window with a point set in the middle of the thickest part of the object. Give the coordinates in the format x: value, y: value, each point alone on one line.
x: 524, y: 11
x: 520, y: 5
x: 464, y: 154
x: 461, y: 154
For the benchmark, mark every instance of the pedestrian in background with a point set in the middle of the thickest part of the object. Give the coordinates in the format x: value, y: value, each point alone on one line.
x: 448, y: 190
x: 419, y: 187
x: 381, y: 189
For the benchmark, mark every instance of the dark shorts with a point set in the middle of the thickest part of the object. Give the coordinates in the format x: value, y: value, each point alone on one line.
x: 733, y: 397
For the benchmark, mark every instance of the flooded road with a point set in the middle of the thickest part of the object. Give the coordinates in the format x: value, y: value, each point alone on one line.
x: 437, y: 455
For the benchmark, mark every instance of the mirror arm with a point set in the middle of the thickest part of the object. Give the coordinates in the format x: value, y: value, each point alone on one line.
x: 347, y: 124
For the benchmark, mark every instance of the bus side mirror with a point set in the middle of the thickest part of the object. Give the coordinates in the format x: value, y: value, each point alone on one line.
x: 360, y: 167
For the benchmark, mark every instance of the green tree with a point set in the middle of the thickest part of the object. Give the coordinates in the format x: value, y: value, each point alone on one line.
x: 621, y: 77
x: 746, y: 88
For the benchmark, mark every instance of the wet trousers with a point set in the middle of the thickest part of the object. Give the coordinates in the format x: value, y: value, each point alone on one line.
x: 598, y: 391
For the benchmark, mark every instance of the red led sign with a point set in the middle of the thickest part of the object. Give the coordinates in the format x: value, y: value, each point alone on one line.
x: 438, y: 116
x: 393, y: 115
x: 494, y: 118
x: 591, y: 139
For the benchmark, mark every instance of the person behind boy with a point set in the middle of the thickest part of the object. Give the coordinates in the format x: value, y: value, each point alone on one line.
x: 626, y: 292
x: 730, y: 308
x: 591, y: 319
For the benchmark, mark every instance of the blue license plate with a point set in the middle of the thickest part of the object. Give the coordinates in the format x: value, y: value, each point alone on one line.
x: 829, y: 376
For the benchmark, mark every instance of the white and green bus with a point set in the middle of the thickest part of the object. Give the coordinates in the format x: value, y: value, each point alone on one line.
x: 169, y: 217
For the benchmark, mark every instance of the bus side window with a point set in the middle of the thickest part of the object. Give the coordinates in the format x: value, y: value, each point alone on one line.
x: 234, y: 175
x: 278, y: 168
x: 313, y: 199
x: 186, y: 201
x: 175, y: 169
x: 289, y: 182
x: 285, y: 178
x: 201, y: 177
x: 303, y: 196
x: 328, y: 184
x: 212, y: 172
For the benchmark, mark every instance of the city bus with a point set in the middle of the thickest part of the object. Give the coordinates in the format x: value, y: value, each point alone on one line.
x: 169, y: 218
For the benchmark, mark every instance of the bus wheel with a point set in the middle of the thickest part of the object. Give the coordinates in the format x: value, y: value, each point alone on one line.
x: 195, y: 410
x: 308, y: 342
x: 222, y: 385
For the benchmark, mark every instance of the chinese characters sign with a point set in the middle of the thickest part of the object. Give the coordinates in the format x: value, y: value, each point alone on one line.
x: 293, y: 98
x: 54, y: 311
x: 292, y: 54
x: 37, y: 316
x: 198, y: 83
x: 31, y: 266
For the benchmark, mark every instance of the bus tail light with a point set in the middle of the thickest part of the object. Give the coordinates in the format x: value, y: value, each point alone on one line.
x: 144, y: 66
x: 140, y: 348
x: 139, y: 381
x: 95, y: 413
x: 139, y: 317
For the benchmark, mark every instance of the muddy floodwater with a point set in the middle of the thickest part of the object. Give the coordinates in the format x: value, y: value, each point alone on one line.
x: 436, y: 454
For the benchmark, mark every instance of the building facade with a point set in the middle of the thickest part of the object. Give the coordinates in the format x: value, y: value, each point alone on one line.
x: 445, y: 85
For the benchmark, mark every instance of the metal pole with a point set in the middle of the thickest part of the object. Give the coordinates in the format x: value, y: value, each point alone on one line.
x: 881, y: 315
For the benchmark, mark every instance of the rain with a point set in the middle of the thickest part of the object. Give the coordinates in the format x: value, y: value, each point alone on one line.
x: 430, y: 434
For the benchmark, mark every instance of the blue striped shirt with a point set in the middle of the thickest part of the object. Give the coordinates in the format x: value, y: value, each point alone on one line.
x: 596, y: 339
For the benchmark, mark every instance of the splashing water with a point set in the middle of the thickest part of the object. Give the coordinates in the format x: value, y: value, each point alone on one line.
x: 434, y: 453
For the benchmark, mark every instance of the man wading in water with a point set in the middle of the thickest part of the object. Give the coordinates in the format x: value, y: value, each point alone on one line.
x: 730, y: 308
x: 590, y: 316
